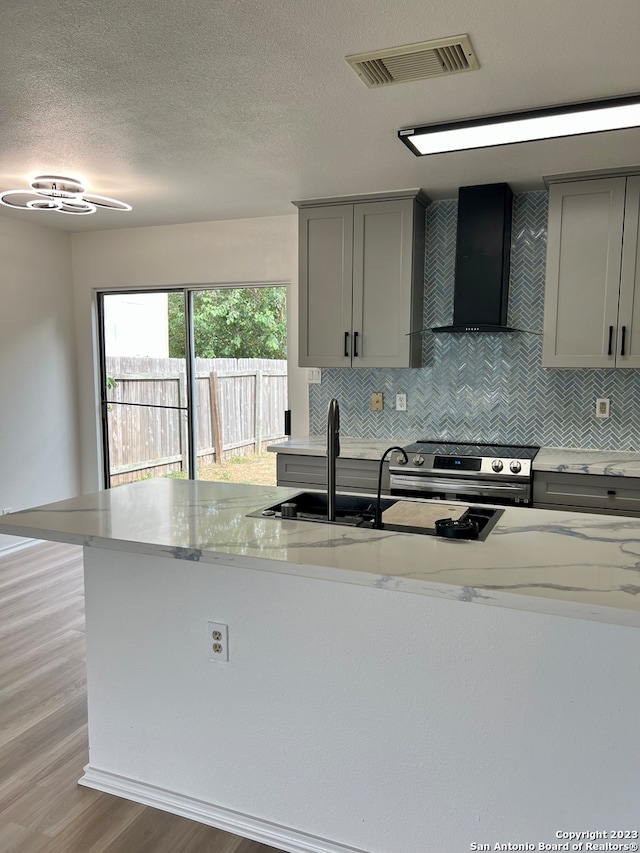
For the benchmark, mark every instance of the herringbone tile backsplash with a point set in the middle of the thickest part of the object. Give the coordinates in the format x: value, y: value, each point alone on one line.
x: 486, y: 387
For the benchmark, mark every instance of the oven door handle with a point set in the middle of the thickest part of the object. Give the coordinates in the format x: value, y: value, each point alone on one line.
x: 422, y: 484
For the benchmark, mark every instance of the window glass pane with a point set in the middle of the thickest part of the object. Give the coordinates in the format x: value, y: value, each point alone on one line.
x: 137, y: 380
x: 136, y: 343
x: 240, y: 340
x: 145, y: 442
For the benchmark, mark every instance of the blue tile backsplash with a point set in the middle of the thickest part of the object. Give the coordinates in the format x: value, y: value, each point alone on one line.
x: 486, y: 387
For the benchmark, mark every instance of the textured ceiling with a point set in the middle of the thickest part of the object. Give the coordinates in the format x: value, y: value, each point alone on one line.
x: 219, y: 109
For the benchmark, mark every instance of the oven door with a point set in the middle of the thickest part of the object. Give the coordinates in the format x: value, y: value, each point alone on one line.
x: 452, y: 488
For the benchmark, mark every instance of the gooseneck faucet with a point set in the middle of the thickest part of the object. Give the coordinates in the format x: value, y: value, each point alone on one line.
x: 378, y: 518
x: 333, y: 451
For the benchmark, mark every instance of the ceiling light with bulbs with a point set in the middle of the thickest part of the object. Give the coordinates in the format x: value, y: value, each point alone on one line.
x: 59, y: 194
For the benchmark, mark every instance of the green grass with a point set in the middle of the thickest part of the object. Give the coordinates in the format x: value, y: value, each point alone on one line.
x: 257, y: 468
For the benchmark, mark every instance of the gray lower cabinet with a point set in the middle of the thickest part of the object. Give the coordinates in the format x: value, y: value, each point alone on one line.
x: 586, y: 493
x: 310, y: 472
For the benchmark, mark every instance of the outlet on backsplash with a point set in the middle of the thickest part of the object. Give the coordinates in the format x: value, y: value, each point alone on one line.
x: 602, y: 407
x: 377, y: 402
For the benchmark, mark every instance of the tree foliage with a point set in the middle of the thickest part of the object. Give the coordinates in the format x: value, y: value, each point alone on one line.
x: 235, y: 322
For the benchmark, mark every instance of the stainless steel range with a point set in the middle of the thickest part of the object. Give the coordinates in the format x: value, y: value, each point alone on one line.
x: 491, y: 473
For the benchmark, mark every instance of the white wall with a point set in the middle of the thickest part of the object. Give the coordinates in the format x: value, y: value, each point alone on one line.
x: 234, y: 251
x: 378, y: 719
x: 39, y: 459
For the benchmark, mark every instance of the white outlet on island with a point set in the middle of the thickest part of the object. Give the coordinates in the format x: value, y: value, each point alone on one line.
x: 218, y: 641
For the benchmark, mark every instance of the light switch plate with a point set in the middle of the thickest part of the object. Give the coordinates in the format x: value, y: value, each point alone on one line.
x: 314, y: 376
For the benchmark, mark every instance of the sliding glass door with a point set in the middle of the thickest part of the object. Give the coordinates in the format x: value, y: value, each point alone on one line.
x: 194, y: 382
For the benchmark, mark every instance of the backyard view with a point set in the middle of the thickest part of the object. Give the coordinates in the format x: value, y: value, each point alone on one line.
x: 154, y: 426
x: 258, y: 468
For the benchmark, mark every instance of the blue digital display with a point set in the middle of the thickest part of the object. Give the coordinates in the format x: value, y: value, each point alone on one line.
x: 464, y: 463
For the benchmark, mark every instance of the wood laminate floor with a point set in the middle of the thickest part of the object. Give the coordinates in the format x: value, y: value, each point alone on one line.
x: 43, y: 728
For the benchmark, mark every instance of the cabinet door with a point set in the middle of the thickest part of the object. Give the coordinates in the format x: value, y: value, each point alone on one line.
x: 310, y: 472
x: 586, y: 493
x: 583, y: 273
x: 629, y: 312
x: 382, y: 283
x: 325, y: 286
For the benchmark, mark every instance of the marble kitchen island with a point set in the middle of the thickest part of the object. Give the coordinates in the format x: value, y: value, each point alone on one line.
x: 384, y: 692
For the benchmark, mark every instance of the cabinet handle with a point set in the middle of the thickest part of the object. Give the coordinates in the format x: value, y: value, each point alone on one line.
x: 355, y: 344
x: 624, y: 335
x: 346, y: 344
x: 611, y: 492
x: 610, y: 351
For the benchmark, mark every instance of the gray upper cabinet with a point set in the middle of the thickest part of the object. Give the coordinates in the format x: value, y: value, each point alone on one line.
x: 592, y: 304
x: 362, y: 280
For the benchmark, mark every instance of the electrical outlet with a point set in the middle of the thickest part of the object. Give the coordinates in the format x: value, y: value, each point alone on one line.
x: 314, y: 376
x: 602, y: 407
x: 377, y: 402
x: 401, y: 402
x: 218, y: 641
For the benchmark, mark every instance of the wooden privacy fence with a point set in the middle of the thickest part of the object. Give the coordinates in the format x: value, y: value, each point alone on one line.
x: 240, y: 409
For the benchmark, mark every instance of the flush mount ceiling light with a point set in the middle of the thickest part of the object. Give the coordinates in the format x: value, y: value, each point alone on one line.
x: 56, y: 186
x: 528, y: 126
x: 59, y: 194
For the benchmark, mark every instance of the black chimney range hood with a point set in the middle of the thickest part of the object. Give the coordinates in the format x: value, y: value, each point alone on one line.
x: 483, y: 254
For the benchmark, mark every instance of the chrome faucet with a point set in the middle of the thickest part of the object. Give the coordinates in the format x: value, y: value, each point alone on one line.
x: 333, y: 451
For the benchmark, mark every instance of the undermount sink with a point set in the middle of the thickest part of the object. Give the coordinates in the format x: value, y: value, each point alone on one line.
x: 356, y: 511
x: 351, y: 510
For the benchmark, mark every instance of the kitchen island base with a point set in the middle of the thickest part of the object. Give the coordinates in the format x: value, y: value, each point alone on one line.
x: 354, y: 718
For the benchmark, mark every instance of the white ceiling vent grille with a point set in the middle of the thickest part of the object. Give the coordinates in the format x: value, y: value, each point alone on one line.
x: 414, y: 61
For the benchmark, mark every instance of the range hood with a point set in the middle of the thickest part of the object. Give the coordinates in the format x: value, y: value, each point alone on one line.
x: 483, y: 252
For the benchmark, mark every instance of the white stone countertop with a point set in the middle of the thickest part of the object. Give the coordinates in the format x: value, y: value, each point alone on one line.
x: 350, y: 448
x: 565, y: 459
x: 563, y: 563
x: 573, y: 460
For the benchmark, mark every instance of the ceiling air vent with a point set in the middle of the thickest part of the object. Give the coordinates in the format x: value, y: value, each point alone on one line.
x: 414, y: 61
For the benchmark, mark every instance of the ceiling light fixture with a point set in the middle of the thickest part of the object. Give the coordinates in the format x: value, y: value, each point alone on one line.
x: 44, y: 204
x: 59, y: 194
x: 56, y: 186
x: 527, y: 126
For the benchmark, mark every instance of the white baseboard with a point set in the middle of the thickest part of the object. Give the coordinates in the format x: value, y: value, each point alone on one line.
x: 20, y: 545
x: 280, y: 837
